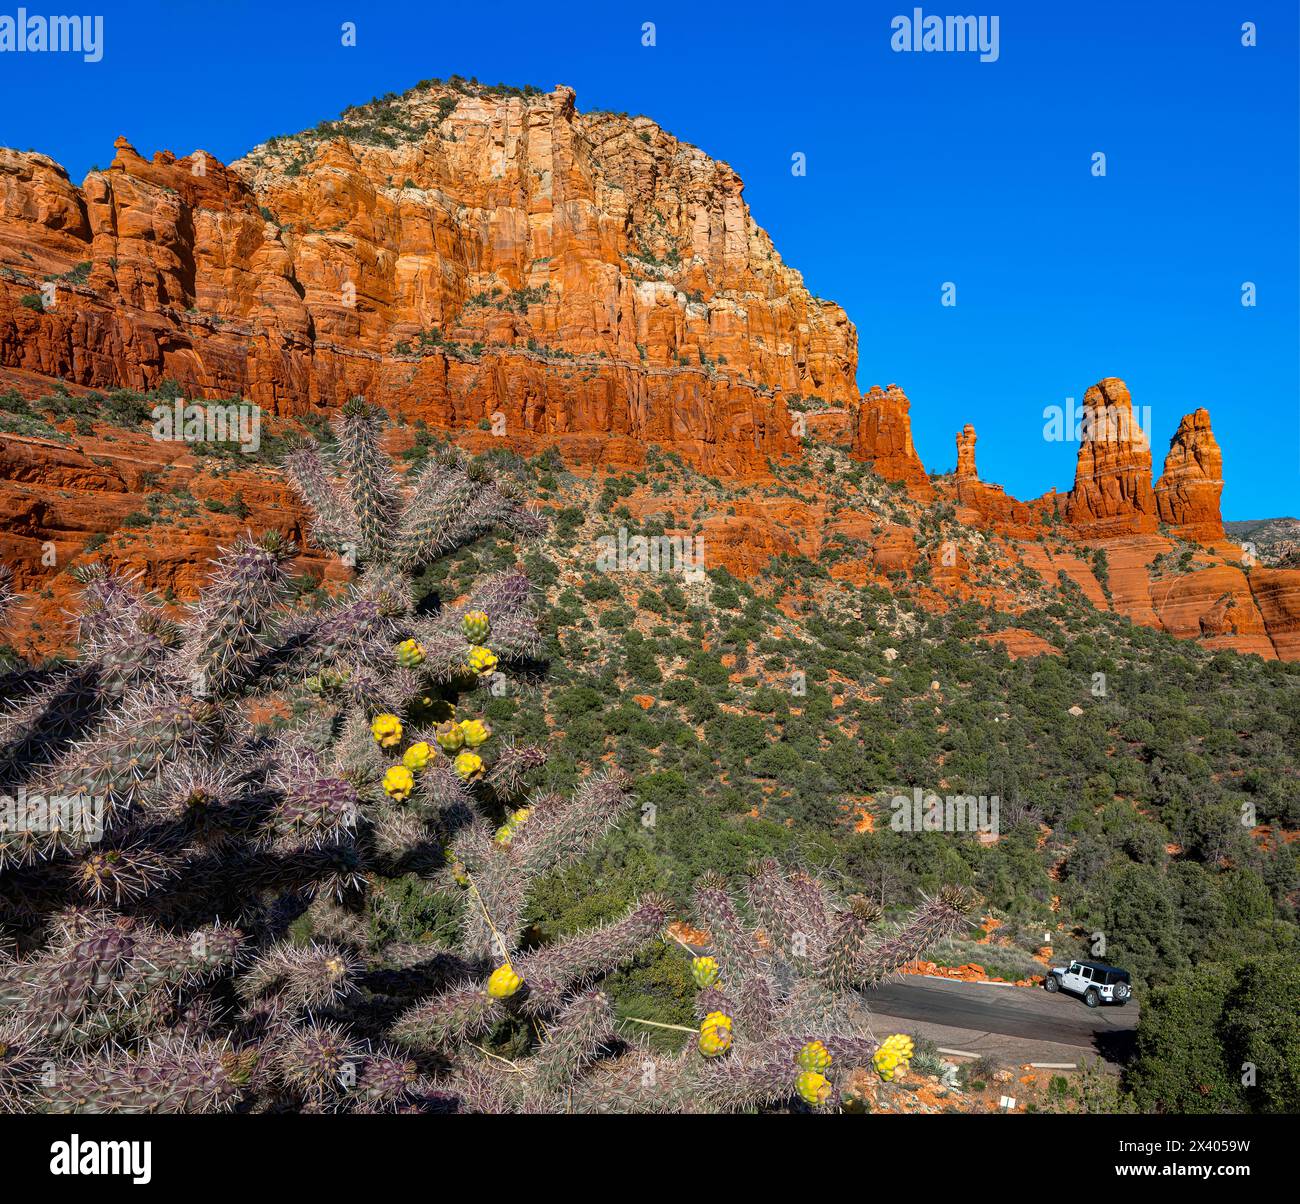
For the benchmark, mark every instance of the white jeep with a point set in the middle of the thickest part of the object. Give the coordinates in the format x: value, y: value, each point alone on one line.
x: 1096, y: 982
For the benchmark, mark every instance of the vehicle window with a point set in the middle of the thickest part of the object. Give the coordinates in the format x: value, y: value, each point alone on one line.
x: 1085, y: 971
x: 1074, y: 967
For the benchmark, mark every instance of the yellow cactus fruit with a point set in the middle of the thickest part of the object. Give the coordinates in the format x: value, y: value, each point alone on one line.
x: 504, y: 982
x: 481, y: 660
x: 888, y: 1064
x: 813, y: 1088
x: 326, y: 680
x: 469, y: 766
x: 418, y: 755
x: 714, y: 1041
x: 475, y: 625
x: 410, y: 653
x: 514, y: 821
x: 705, y: 971
x: 398, y: 782
x: 460, y: 874
x: 901, y: 1044
x: 475, y: 732
x: 715, y: 1034
x: 449, y: 736
x: 814, y: 1056
x: 387, y: 729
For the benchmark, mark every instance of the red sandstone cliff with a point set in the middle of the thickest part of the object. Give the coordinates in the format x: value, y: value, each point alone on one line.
x: 586, y: 275
x: 1114, y: 507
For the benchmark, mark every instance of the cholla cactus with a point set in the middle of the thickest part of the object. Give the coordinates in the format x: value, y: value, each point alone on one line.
x: 784, y: 1019
x: 157, y: 844
x: 492, y: 978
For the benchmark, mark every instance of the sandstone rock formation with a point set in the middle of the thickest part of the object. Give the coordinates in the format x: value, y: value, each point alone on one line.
x: 1112, y: 492
x: 1187, y: 494
x: 1214, y: 604
x: 1277, y: 595
x: 990, y: 504
x: 966, y: 470
x: 451, y: 255
x: 1113, y: 507
x: 883, y: 436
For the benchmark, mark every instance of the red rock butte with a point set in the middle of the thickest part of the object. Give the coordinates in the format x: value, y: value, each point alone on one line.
x: 595, y: 280
x: 1114, y: 507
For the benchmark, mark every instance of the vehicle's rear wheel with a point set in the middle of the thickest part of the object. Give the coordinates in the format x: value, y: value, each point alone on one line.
x: 1051, y: 983
x: 1091, y: 998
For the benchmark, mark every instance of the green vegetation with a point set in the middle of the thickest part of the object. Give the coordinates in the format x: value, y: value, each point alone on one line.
x: 394, y: 118
x: 1222, y: 1038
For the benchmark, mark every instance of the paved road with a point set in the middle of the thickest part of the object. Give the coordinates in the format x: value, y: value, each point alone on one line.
x: 1020, y: 1023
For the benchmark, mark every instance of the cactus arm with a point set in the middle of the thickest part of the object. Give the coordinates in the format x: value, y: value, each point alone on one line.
x: 556, y: 969
x: 368, y: 476
x: 333, y: 525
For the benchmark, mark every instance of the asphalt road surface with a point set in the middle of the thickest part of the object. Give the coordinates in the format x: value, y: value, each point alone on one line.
x: 1025, y: 1024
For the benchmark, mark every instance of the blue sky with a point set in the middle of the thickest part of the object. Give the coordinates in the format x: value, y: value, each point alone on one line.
x: 921, y: 169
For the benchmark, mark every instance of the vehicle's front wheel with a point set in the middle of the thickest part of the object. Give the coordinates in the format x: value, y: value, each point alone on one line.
x: 1091, y: 998
x: 1051, y: 983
